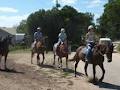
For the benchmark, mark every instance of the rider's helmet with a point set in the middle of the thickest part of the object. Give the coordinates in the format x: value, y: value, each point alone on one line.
x: 38, y: 28
x: 62, y: 30
x: 90, y: 27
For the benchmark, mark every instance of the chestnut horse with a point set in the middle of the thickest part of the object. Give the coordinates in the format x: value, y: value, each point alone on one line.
x: 39, y: 49
x: 97, y: 58
x: 60, y: 51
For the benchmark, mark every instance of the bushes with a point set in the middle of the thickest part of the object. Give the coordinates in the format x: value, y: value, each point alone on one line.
x: 18, y: 47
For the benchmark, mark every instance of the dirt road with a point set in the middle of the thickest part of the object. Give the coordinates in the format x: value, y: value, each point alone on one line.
x: 22, y: 75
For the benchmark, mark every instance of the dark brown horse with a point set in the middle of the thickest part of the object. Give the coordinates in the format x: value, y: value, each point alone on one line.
x: 4, y: 48
x: 39, y: 49
x: 97, y: 58
x: 60, y: 51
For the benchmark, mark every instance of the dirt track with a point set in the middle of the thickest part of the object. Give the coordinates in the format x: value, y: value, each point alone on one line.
x: 22, y: 75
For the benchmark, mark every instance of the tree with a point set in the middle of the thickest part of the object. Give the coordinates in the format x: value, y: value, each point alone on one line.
x: 51, y: 21
x: 110, y: 20
x: 22, y: 28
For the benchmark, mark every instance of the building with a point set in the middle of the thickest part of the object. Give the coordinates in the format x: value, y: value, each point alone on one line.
x: 16, y: 37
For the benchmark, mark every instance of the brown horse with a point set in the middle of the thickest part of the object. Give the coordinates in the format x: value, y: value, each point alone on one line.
x: 97, y: 58
x: 60, y: 51
x: 39, y: 49
x: 4, y: 48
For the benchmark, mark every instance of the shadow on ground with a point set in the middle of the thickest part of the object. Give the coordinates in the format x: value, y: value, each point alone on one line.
x: 108, y: 85
x: 11, y: 71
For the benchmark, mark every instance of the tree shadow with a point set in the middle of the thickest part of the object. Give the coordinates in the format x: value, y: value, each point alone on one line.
x: 72, y: 71
x: 108, y: 85
x: 11, y: 71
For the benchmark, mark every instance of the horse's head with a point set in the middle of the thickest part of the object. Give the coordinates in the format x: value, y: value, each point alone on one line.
x: 109, y: 51
x: 105, y: 49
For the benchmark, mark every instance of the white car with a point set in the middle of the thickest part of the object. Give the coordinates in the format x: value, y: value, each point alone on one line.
x: 105, y: 41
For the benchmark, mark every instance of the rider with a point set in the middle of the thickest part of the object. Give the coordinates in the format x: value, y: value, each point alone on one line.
x: 62, y: 37
x: 38, y: 36
x: 90, y: 40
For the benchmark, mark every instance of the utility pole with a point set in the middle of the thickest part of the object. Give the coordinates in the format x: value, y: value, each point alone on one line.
x: 57, y: 4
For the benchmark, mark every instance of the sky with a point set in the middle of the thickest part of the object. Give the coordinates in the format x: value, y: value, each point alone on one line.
x: 13, y: 11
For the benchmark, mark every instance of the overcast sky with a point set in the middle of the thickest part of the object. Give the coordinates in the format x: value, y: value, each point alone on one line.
x: 13, y: 11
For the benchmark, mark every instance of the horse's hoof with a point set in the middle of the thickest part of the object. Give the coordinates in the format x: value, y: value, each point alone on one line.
x: 86, y: 75
x: 42, y: 63
x: 75, y: 75
x: 100, y: 80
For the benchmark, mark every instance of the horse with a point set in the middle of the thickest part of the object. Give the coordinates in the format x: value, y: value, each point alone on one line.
x: 60, y: 51
x: 39, y: 49
x: 4, y: 48
x: 97, y: 58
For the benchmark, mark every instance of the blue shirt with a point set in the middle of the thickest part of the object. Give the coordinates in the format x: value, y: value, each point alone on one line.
x: 62, y: 36
x: 38, y: 35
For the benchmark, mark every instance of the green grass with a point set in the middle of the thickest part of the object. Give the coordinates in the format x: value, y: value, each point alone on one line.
x: 19, y: 48
x: 65, y: 74
x: 118, y: 48
x: 21, y: 51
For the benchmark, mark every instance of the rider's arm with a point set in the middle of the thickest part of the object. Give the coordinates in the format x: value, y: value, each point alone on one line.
x: 86, y: 37
x: 35, y: 35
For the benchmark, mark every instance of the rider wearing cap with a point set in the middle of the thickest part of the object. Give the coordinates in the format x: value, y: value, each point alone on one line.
x: 90, y: 40
x: 37, y: 36
x: 62, y: 36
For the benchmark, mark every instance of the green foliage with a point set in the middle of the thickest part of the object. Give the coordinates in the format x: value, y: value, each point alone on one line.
x: 18, y: 47
x: 22, y: 28
x: 110, y: 20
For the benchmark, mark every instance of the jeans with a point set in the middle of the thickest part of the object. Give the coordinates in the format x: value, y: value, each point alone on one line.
x: 89, y: 52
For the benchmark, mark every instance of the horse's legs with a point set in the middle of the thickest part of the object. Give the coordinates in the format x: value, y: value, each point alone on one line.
x: 38, y: 59
x: 58, y: 62
x: 61, y: 62
x: 54, y: 59
x: 67, y: 62
x: 76, y: 64
x: 94, y: 71
x: 43, y: 58
x: 85, y: 68
x: 103, y: 70
x: 5, y: 61
x: 32, y: 54
x: 0, y: 58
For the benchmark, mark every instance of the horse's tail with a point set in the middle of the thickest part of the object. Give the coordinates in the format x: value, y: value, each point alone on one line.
x: 75, y: 58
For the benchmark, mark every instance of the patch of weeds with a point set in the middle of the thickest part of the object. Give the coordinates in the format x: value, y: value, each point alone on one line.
x: 65, y: 74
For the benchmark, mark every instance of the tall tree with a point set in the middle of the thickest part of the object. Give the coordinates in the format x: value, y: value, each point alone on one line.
x: 110, y: 20
x: 51, y: 21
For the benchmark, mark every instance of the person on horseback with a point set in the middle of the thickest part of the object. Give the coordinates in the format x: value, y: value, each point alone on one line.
x: 90, y: 40
x: 38, y: 36
x: 62, y: 37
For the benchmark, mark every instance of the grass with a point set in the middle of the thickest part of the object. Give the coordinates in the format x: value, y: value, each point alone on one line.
x: 65, y: 74
x: 118, y: 48
x: 19, y: 49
